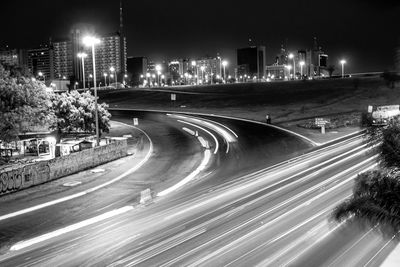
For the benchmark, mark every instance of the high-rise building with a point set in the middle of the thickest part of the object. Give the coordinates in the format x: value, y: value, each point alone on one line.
x: 40, y: 60
x: 212, y: 67
x: 251, y: 61
x: 13, y: 57
x: 136, y: 66
x: 62, y: 52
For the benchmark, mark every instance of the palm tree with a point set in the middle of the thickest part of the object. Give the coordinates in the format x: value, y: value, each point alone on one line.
x: 376, y: 201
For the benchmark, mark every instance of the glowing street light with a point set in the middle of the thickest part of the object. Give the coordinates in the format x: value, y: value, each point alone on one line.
x: 42, y: 75
x: 291, y: 56
x: 202, y: 68
x: 342, y: 62
x: 288, y: 67
x: 92, y: 41
x: 105, y: 78
x: 224, y: 64
x: 302, y: 63
x: 82, y: 56
x: 112, y: 69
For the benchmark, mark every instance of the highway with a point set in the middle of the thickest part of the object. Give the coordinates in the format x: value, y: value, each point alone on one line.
x: 233, y: 212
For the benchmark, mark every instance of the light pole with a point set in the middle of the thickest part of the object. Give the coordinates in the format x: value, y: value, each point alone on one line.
x: 302, y: 63
x: 82, y: 56
x: 158, y: 69
x: 291, y: 56
x: 42, y: 75
x: 92, y: 41
x: 148, y: 78
x: 112, y: 69
x: 224, y: 64
x: 194, y: 66
x: 162, y: 79
x: 105, y: 78
x: 342, y: 62
x: 202, y: 68
x: 289, y: 67
x: 90, y: 78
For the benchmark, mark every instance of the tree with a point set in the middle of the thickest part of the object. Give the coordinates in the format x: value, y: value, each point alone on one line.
x: 24, y: 105
x: 76, y: 112
x: 375, y: 201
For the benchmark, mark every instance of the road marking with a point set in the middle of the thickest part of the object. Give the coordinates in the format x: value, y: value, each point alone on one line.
x: 202, y: 166
x: 208, y: 132
x: 60, y: 200
x: 72, y: 184
x: 73, y: 227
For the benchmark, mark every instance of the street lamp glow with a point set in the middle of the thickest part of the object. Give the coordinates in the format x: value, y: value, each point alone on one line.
x: 302, y: 63
x: 193, y: 63
x: 92, y: 41
x: 82, y: 56
x: 158, y: 67
x: 148, y: 75
x: 291, y: 56
x: 224, y: 64
x: 112, y: 69
x: 342, y: 62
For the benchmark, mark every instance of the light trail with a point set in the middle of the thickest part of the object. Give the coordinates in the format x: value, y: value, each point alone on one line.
x: 206, y: 131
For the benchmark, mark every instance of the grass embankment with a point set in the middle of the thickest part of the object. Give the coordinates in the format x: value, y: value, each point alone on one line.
x: 289, y: 103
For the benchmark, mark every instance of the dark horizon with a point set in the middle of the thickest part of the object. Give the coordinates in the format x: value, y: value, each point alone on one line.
x: 363, y: 32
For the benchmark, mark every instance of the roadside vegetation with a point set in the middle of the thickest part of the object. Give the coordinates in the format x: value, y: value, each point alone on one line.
x: 376, y: 194
x: 27, y: 105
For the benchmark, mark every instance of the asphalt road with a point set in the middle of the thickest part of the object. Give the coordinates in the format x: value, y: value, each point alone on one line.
x: 236, y: 213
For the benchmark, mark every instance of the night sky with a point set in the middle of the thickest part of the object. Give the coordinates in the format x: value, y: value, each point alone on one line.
x: 366, y: 33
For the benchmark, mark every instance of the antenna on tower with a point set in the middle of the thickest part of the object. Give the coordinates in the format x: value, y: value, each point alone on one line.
x: 121, y: 17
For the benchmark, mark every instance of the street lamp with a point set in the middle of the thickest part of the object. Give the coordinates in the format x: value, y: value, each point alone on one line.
x: 289, y: 67
x: 302, y: 63
x: 92, y: 41
x: 42, y: 75
x: 194, y: 67
x: 202, y: 68
x: 224, y: 64
x: 90, y: 78
x: 105, y: 78
x: 291, y: 56
x: 112, y: 69
x: 342, y: 62
x: 82, y: 56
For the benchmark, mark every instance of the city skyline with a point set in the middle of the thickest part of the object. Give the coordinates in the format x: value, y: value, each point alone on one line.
x: 157, y: 31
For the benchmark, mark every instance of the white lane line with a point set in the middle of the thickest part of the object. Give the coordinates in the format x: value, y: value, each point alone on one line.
x: 60, y: 200
x: 73, y: 227
x: 202, y: 166
x: 208, y: 132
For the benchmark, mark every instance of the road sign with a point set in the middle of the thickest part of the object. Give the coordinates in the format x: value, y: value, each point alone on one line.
x: 173, y: 97
x: 135, y: 121
x: 321, y: 121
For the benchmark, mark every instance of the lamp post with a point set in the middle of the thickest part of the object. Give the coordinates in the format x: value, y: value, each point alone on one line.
x: 291, y: 56
x: 82, y: 57
x: 92, y: 41
x: 148, y: 78
x: 90, y: 78
x: 289, y: 67
x: 105, y: 78
x: 342, y: 62
x: 158, y: 69
x: 202, y: 68
x: 162, y: 79
x: 42, y: 75
x: 194, y: 67
x: 112, y: 69
x: 302, y: 63
x: 224, y: 64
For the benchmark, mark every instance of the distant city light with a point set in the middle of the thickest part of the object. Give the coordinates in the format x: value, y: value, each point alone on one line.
x: 158, y: 67
x: 90, y: 40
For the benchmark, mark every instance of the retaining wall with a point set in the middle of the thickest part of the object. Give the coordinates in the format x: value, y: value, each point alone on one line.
x: 19, y: 177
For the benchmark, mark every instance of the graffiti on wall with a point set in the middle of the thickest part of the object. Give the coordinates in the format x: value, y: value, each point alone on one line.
x: 23, y: 177
x: 37, y: 173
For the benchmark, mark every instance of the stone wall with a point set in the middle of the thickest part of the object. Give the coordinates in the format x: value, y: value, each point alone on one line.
x: 19, y: 177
